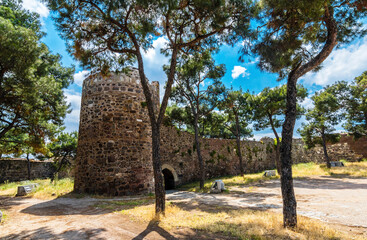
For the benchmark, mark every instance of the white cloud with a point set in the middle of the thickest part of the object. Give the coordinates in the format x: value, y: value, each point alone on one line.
x: 80, y: 76
x: 36, y: 6
x: 307, y: 103
x: 72, y: 119
x: 342, y: 64
x: 153, y: 63
x: 237, y: 71
x: 153, y: 55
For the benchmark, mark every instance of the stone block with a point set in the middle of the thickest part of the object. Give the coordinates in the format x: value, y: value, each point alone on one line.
x: 337, y: 164
x: 217, y: 187
x: 270, y: 173
x: 26, y: 189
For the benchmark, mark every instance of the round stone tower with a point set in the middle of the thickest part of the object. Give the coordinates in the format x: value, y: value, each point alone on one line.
x: 114, y: 148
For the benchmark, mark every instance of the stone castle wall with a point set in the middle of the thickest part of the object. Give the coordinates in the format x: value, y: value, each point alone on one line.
x: 114, y: 145
x: 114, y: 148
x: 16, y: 170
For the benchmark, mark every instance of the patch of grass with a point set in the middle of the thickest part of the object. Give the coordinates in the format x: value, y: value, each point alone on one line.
x: 242, y: 224
x: 246, y: 179
x: 56, y: 189
x: 45, y: 190
x: 354, y: 169
x: 5, y: 216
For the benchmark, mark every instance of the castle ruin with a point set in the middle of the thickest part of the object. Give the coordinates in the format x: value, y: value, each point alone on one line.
x: 114, y: 147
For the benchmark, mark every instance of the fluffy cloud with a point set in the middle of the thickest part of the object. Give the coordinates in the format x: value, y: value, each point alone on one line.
x: 342, y: 64
x: 80, y: 76
x: 154, y: 61
x: 72, y: 119
x: 307, y: 103
x: 36, y: 6
x: 153, y: 55
x: 237, y: 71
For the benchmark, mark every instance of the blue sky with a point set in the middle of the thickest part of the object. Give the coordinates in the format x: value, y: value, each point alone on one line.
x: 343, y: 64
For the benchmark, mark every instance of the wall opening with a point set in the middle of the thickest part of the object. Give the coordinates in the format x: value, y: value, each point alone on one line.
x: 169, y: 180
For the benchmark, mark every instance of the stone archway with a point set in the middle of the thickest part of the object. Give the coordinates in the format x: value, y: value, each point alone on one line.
x: 170, y: 177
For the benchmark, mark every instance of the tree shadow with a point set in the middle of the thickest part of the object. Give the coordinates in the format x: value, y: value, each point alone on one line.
x: 154, y: 227
x: 239, y: 199
x: 9, y: 202
x: 45, y: 233
x: 322, y: 182
x: 84, y: 206
x: 186, y: 233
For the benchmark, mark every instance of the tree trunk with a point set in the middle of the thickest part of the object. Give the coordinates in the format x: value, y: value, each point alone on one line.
x: 160, y: 194
x: 277, y: 156
x: 198, y: 151
x: 289, y: 199
x: 328, y: 164
x: 59, y: 168
x: 29, y: 167
x: 238, y: 140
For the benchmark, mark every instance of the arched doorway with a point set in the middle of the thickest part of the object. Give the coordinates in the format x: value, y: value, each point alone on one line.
x: 169, y: 180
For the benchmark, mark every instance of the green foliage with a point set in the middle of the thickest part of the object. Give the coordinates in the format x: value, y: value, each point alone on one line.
x: 63, y: 148
x: 356, y: 106
x: 270, y: 105
x: 32, y: 80
x: 294, y: 32
x: 322, y: 118
x: 237, y: 113
x: 212, y: 153
x: 120, y: 30
x: 199, y: 91
x: 189, y: 151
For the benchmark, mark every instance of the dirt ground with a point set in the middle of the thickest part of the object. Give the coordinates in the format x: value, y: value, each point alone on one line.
x: 334, y: 200
x: 339, y: 201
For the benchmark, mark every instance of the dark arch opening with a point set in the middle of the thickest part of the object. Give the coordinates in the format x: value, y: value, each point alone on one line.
x: 169, y: 180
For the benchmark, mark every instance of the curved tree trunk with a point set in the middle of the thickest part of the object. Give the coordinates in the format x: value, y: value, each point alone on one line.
x: 289, y: 199
x: 328, y: 164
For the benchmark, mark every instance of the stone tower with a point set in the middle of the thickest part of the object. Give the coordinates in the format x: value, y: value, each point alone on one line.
x: 114, y: 148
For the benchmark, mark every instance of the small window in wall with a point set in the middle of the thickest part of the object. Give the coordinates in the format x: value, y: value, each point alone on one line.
x: 169, y: 181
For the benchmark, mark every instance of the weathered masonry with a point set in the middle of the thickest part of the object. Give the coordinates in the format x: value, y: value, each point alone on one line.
x: 14, y: 170
x: 114, y: 149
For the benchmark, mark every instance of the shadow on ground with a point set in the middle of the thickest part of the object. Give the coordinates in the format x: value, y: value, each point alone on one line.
x: 83, y: 206
x: 323, y: 182
x: 47, y: 233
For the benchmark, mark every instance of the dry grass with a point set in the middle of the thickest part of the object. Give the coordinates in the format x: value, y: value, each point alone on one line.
x: 46, y: 189
x: 239, y: 223
x: 353, y: 169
